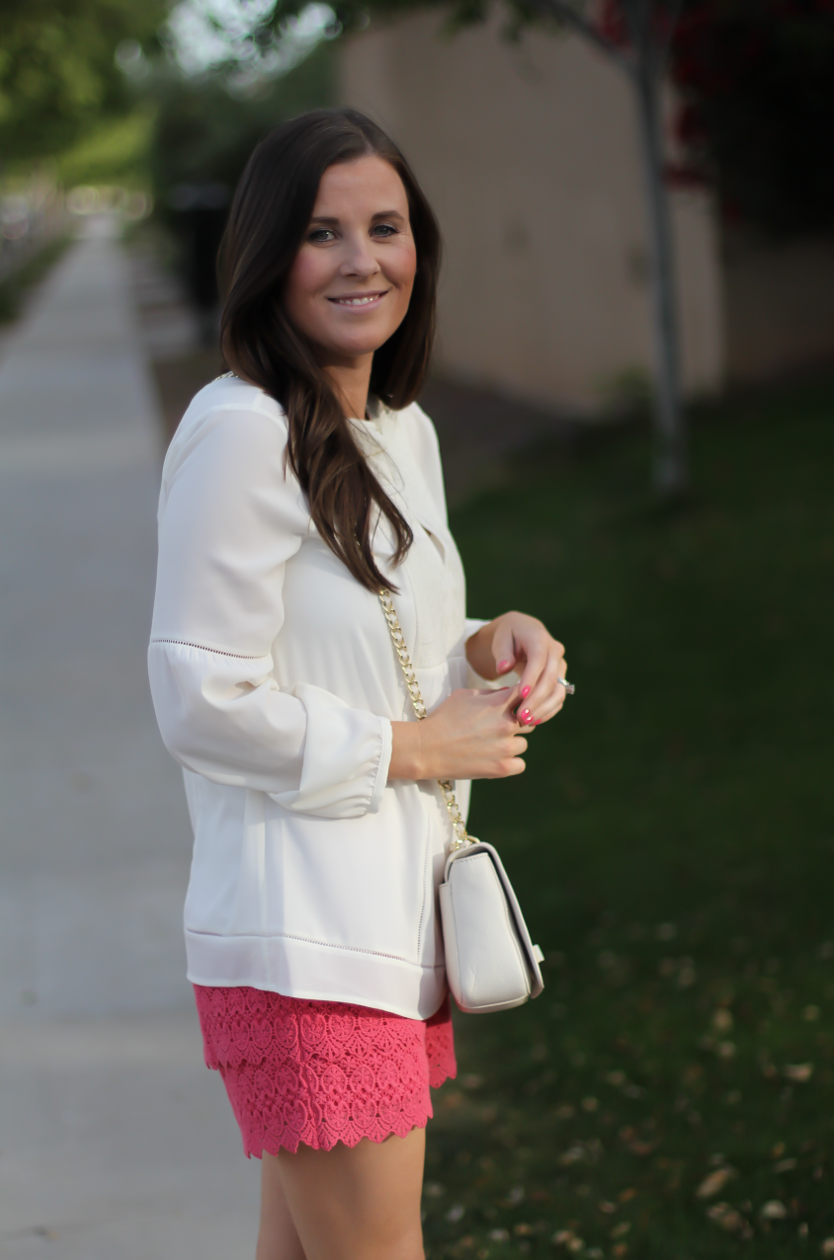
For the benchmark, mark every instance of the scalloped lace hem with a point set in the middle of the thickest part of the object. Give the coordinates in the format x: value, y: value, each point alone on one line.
x: 316, y: 1073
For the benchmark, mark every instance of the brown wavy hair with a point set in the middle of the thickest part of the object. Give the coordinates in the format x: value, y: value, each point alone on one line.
x: 269, y: 217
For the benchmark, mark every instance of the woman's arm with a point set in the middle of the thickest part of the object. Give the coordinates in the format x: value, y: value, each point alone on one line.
x: 229, y: 522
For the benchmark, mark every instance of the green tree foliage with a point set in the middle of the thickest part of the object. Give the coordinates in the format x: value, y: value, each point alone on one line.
x: 113, y: 152
x: 204, y: 132
x: 58, y: 75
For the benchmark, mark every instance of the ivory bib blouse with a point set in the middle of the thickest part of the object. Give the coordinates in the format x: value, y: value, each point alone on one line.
x: 275, y: 684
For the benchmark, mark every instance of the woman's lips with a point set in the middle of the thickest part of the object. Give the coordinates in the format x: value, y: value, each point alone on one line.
x: 359, y: 301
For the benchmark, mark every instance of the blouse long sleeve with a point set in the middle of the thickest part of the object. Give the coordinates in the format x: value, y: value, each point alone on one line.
x: 230, y: 519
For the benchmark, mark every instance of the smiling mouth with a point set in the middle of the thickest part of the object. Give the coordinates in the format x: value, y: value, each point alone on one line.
x: 362, y: 299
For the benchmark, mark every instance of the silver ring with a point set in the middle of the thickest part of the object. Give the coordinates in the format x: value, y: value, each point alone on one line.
x: 569, y: 687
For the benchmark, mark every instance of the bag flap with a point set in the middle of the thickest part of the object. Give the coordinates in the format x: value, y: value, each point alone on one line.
x: 532, y: 952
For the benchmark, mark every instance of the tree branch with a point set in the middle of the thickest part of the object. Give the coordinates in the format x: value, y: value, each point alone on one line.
x: 565, y: 12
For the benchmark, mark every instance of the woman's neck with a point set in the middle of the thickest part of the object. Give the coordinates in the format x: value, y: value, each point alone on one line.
x: 351, y: 381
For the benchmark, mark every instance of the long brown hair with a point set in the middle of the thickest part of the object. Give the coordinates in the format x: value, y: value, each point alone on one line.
x: 270, y: 214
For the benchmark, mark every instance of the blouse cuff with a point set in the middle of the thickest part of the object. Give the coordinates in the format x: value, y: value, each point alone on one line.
x: 471, y: 626
x: 381, y: 782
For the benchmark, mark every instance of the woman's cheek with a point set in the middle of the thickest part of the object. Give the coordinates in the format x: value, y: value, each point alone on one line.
x: 406, y: 270
x: 305, y: 281
x: 408, y: 264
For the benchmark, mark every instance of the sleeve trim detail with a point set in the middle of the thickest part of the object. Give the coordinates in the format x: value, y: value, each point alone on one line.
x: 201, y: 647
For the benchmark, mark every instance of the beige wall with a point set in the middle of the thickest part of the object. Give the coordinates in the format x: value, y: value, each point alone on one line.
x: 529, y: 155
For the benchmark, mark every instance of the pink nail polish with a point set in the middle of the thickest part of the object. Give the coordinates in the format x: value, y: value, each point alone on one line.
x: 537, y: 721
x: 525, y: 691
x: 525, y: 715
x: 503, y: 666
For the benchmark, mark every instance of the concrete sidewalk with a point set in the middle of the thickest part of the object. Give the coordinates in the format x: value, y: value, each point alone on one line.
x: 115, y: 1142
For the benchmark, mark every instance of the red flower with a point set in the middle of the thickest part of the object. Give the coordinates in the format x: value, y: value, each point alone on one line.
x: 612, y: 23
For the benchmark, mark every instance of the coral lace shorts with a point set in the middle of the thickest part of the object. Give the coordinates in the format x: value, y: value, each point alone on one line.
x: 321, y: 1072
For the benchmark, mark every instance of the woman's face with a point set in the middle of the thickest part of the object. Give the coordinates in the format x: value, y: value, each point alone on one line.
x: 349, y: 287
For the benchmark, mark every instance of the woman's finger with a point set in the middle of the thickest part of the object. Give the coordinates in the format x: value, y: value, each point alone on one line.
x: 503, y: 650
x: 549, y: 711
x: 511, y: 697
x: 554, y: 702
x: 546, y: 688
x: 548, y: 681
x: 513, y: 765
x: 536, y: 645
x: 506, y: 697
x: 533, y: 670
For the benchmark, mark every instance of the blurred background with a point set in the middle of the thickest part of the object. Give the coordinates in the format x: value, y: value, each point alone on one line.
x: 634, y: 390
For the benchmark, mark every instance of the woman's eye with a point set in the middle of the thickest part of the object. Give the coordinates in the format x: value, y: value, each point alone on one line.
x: 385, y: 229
x: 319, y: 235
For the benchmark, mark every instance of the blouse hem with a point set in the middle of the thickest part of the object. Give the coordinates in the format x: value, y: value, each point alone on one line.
x: 317, y: 971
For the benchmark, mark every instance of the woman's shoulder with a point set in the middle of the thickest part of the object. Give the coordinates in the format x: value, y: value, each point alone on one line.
x: 229, y: 393
x: 227, y: 402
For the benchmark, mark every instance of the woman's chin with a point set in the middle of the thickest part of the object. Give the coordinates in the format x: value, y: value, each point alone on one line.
x: 352, y: 348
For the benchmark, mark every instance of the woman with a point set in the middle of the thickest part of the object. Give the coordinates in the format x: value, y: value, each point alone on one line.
x: 295, y: 488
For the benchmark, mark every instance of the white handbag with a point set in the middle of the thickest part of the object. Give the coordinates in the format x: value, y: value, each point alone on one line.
x: 491, y: 963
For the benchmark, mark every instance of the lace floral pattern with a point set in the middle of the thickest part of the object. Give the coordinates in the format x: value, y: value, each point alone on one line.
x: 321, y: 1072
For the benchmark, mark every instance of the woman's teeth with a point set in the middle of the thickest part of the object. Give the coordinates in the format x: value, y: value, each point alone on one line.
x: 360, y: 301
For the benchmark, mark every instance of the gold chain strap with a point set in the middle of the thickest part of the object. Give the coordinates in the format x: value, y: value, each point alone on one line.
x: 461, y: 835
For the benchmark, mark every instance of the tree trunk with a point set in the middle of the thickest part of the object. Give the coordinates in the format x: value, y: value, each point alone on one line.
x: 670, y: 455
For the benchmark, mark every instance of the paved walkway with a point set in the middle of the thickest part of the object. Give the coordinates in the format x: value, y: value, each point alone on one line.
x: 115, y: 1142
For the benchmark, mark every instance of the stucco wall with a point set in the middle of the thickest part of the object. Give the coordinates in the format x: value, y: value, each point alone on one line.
x: 529, y: 155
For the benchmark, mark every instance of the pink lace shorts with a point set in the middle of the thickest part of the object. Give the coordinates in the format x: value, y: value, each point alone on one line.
x: 321, y: 1072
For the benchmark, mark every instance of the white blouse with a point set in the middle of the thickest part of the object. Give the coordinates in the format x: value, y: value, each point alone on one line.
x: 275, y: 684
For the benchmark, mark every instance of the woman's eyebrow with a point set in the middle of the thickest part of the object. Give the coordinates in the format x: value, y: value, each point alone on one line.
x: 380, y: 214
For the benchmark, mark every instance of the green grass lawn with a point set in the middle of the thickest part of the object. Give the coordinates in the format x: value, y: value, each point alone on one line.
x: 672, y: 843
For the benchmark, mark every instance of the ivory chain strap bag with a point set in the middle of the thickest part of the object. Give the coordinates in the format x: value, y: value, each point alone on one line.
x: 491, y: 962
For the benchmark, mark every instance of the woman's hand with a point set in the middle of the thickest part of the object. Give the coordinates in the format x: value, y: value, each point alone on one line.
x: 516, y: 642
x: 471, y: 735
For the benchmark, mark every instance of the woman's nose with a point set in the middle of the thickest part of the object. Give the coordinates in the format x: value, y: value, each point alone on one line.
x: 359, y: 260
